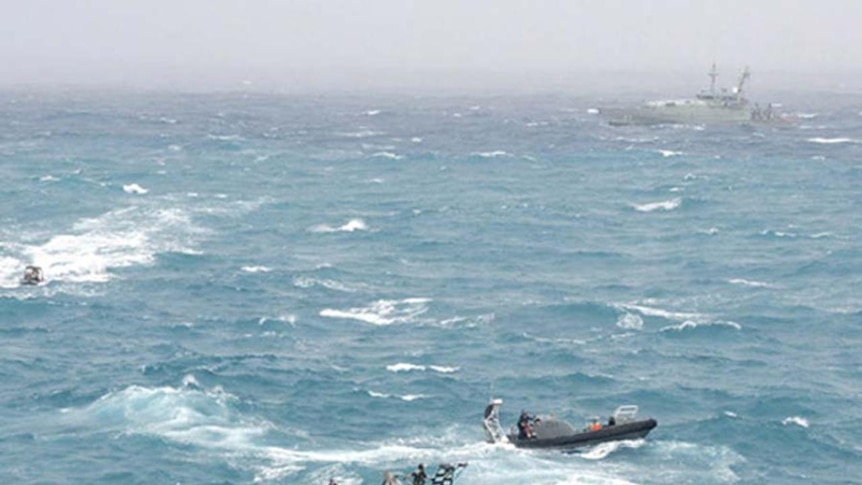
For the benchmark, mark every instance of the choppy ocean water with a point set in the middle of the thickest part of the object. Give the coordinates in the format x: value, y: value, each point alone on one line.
x: 250, y: 288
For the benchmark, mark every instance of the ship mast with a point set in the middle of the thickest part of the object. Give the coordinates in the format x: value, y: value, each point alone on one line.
x: 712, y: 75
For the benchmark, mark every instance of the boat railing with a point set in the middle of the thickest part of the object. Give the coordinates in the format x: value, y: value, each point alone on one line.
x: 626, y: 413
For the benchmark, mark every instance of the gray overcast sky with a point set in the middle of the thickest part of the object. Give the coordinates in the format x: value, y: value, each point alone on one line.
x: 155, y: 42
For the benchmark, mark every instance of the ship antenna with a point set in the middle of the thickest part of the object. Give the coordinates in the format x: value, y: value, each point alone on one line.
x: 744, y: 77
x: 712, y: 75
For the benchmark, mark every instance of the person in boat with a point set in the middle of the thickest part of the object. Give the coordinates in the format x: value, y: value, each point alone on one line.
x: 595, y: 425
x: 419, y: 475
x: 525, y: 426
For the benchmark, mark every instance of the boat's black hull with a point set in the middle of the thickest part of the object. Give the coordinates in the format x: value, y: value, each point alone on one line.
x: 627, y: 431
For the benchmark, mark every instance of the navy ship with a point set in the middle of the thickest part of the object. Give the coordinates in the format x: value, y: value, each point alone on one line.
x: 710, y: 106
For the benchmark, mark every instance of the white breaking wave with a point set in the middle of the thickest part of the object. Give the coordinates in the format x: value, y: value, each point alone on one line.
x: 688, y: 325
x: 225, y: 137
x: 667, y: 315
x: 666, y: 205
x: 389, y: 155
x: 688, y: 321
x: 350, y: 226
x: 831, y: 141
x: 256, y: 269
x: 630, y: 321
x: 306, y: 282
x: 669, y: 153
x: 383, y: 312
x: 602, y: 450
x: 493, y: 154
x: 121, y: 238
x: 361, y: 134
x: 744, y: 282
x: 797, y: 420
x: 406, y: 367
x: 185, y: 415
x: 406, y: 397
x: 134, y: 189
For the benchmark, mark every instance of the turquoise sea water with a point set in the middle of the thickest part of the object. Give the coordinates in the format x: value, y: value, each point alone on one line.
x: 251, y: 288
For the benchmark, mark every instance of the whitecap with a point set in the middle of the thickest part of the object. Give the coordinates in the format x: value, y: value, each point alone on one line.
x: 190, y: 382
x: 630, y: 321
x: 350, y: 226
x: 669, y: 153
x: 383, y: 312
x: 389, y: 155
x: 48, y: 178
x: 407, y: 367
x: 308, y: 282
x: 492, y: 154
x: 744, y: 282
x: 406, y: 397
x: 602, y: 450
x: 831, y: 141
x: 361, y: 134
x: 667, y: 315
x: 782, y: 234
x: 188, y: 415
x: 593, y: 111
x: 372, y: 112
x: 443, y: 369
x: 690, y: 325
x: 256, y: 269
x: 117, y: 239
x: 404, y: 367
x: 416, y: 139
x: 224, y: 137
x: 134, y: 189
x: 797, y: 420
x: 666, y: 205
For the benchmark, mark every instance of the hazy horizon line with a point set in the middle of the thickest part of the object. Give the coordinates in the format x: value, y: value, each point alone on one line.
x: 678, y: 81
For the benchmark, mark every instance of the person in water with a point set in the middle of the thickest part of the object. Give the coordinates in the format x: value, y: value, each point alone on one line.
x: 419, y: 475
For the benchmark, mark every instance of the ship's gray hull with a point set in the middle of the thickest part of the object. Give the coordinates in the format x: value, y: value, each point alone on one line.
x: 682, y: 115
